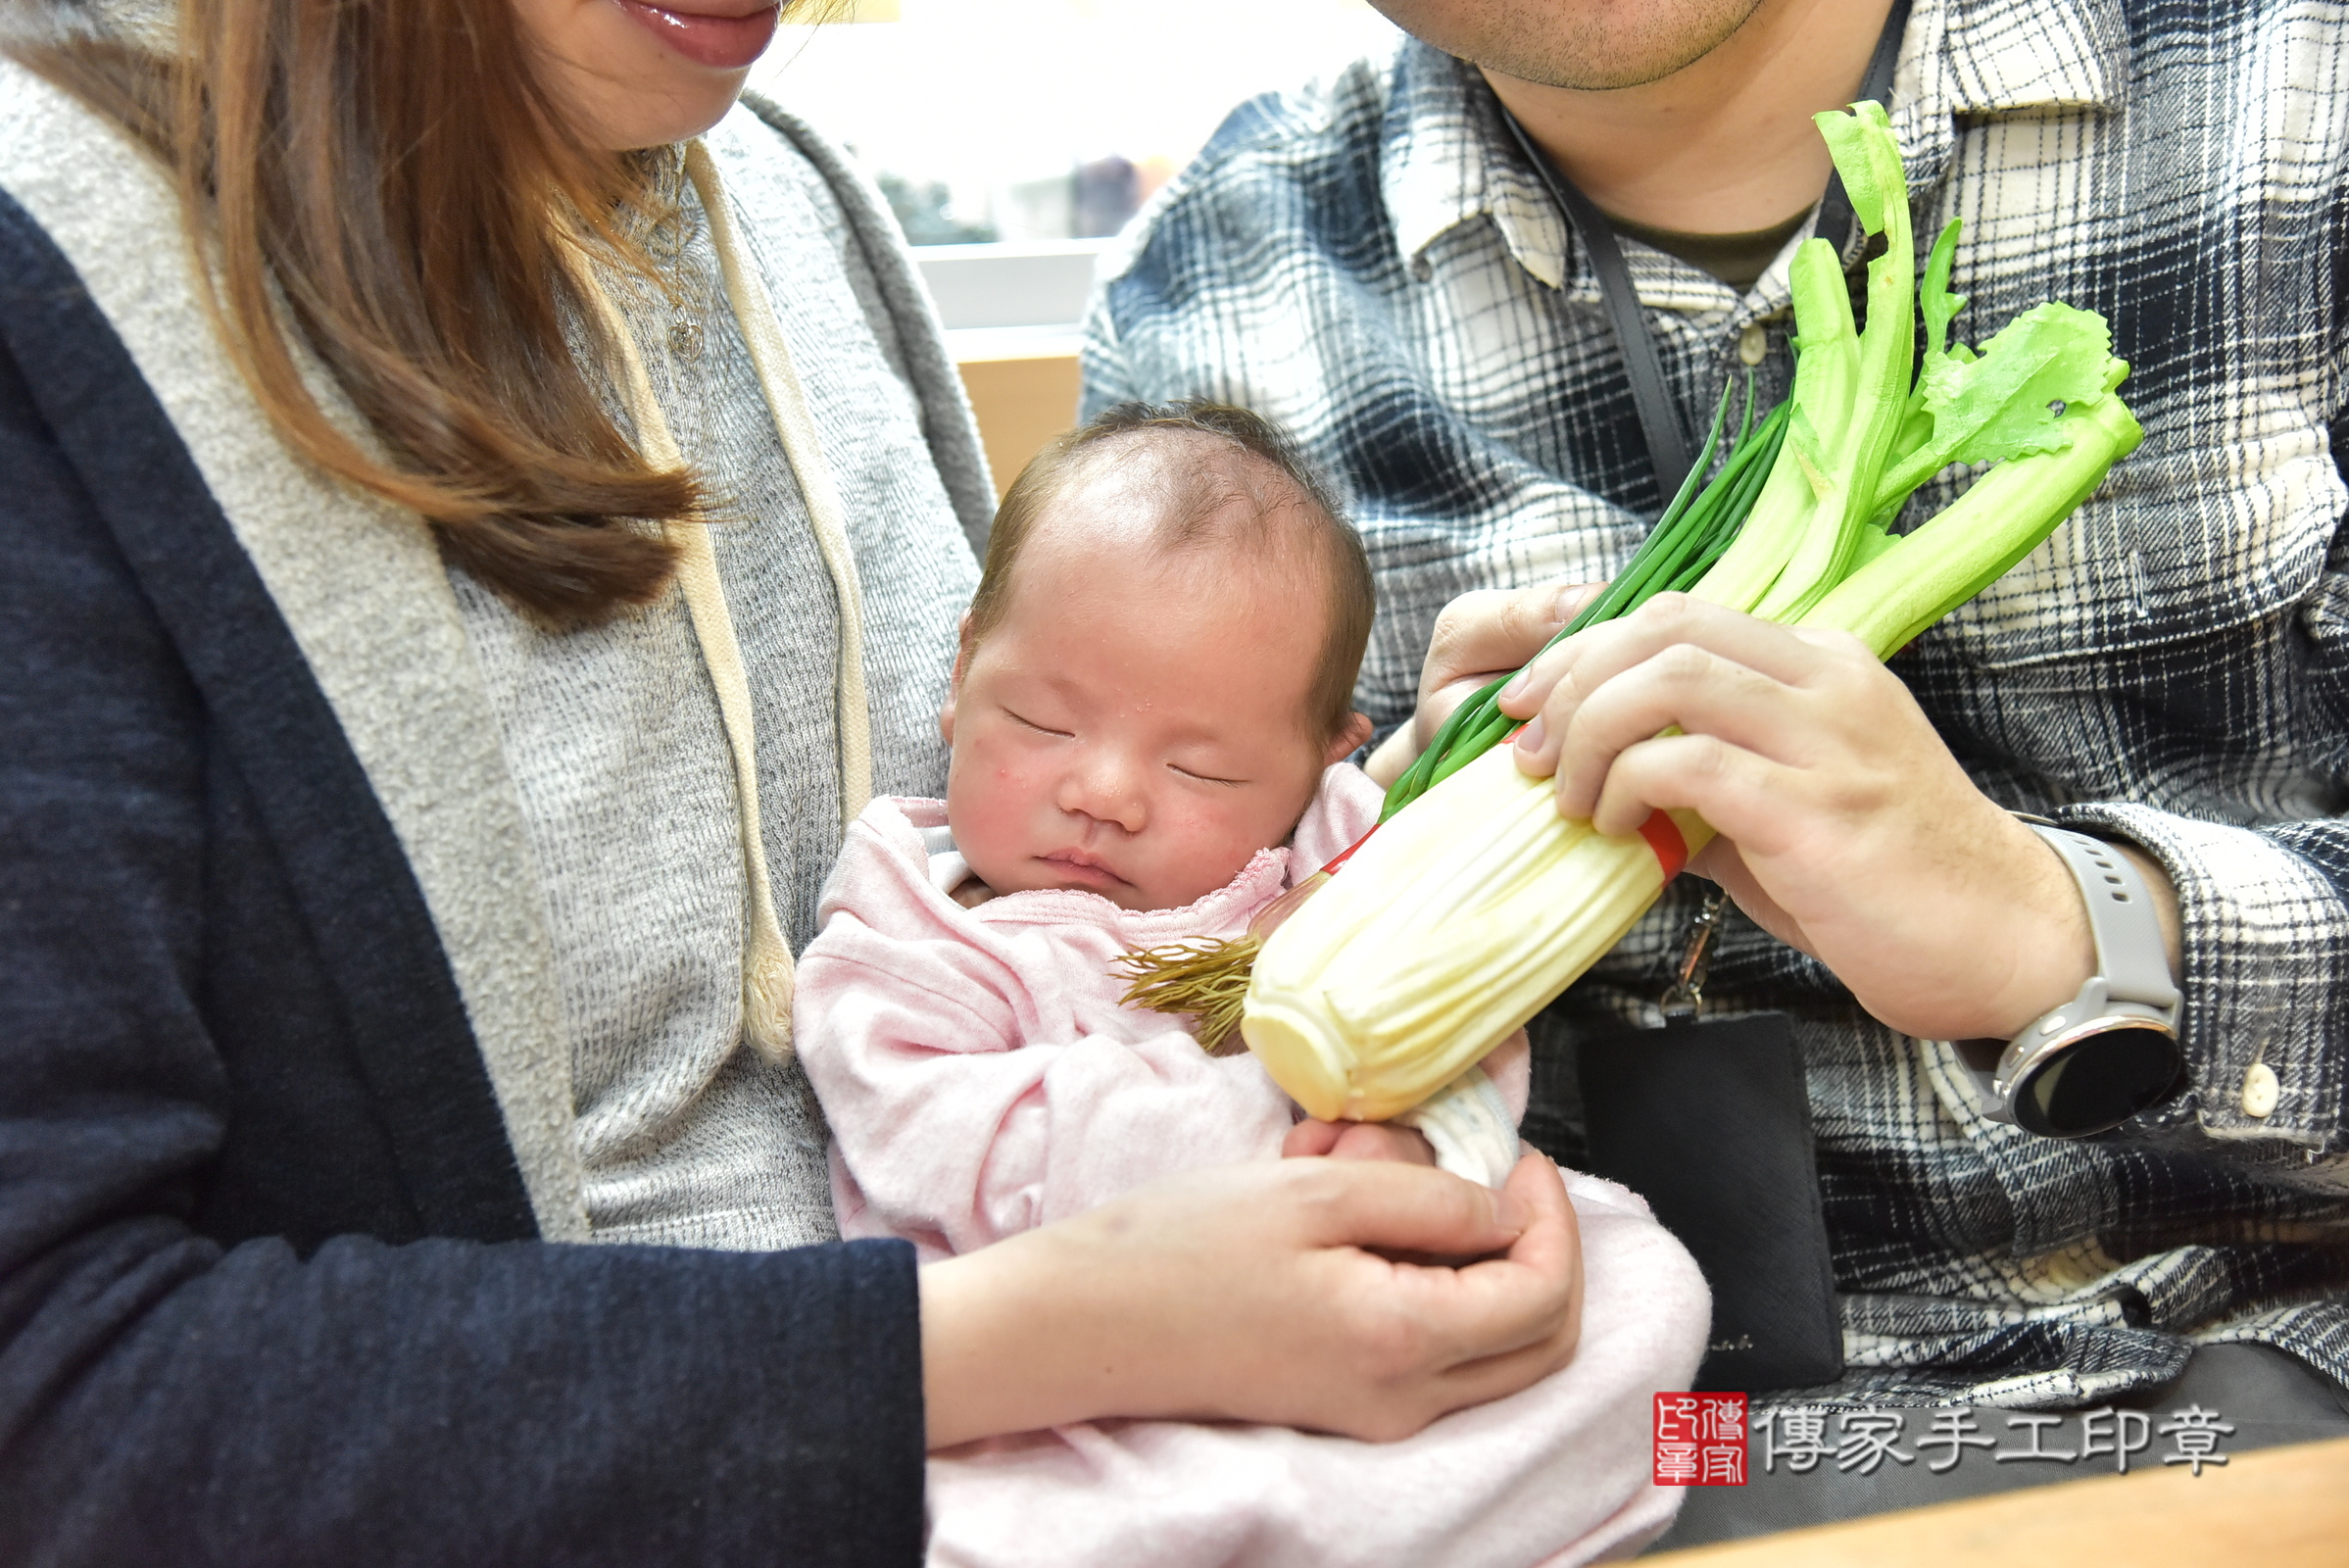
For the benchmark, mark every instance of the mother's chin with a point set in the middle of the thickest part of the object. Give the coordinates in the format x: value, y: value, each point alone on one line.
x: 629, y: 74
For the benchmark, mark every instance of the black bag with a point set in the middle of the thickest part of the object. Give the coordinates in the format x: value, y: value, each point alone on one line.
x: 1711, y: 1123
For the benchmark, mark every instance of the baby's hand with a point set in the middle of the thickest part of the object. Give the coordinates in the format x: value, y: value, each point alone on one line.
x: 1358, y: 1140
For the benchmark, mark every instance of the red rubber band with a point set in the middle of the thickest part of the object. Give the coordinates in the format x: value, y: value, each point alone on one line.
x: 1663, y: 834
x: 1348, y: 853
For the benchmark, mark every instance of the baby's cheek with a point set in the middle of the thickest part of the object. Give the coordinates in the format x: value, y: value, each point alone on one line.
x: 1213, y: 843
x: 991, y: 798
x: 1226, y: 834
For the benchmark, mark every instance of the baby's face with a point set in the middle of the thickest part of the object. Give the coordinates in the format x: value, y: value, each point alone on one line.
x: 1135, y: 725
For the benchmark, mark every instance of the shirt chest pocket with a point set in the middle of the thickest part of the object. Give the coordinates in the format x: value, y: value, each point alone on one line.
x: 2178, y: 544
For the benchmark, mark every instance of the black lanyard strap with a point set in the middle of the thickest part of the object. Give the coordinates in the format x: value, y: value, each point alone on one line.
x: 1660, y: 415
x: 1669, y: 449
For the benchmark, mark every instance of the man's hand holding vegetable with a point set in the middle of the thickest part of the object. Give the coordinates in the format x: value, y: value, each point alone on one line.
x: 1733, y: 667
x: 1847, y: 828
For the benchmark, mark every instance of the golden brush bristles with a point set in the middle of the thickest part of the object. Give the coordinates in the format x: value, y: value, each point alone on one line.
x: 1454, y: 924
x: 1204, y: 978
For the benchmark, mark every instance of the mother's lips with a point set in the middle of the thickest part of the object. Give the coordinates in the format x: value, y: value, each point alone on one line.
x: 724, y: 42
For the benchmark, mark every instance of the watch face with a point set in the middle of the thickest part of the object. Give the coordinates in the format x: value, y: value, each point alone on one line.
x: 2098, y: 1082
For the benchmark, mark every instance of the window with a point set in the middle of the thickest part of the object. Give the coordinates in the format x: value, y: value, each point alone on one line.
x: 1045, y: 119
x: 1012, y: 136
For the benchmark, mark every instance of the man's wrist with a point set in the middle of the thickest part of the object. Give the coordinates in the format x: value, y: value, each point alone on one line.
x: 2165, y: 906
x: 2110, y: 1051
x: 2068, y: 945
x: 2054, y: 948
x: 2055, y: 945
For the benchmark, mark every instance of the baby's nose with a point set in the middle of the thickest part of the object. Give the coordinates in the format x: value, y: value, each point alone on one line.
x: 1108, y: 788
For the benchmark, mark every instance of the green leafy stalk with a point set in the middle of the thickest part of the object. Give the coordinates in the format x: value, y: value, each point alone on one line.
x: 2006, y: 402
x: 1791, y: 493
x: 2002, y: 516
x: 1851, y: 394
x: 1938, y: 307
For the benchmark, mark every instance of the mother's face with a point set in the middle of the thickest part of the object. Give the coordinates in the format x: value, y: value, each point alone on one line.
x: 638, y: 74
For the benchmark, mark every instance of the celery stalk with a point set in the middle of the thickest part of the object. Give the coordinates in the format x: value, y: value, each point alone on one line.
x: 1969, y: 545
x: 1881, y: 361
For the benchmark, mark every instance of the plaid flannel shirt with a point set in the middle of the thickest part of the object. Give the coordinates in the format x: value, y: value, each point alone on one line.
x: 1370, y: 262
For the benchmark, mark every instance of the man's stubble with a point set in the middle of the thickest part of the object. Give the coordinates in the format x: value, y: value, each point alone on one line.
x: 1586, y: 45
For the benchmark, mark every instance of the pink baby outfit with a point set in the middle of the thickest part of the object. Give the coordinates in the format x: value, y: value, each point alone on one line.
x: 981, y: 1078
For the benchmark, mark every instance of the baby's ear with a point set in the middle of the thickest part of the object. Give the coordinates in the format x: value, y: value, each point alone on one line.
x: 945, y: 714
x: 1348, y: 740
x: 961, y: 649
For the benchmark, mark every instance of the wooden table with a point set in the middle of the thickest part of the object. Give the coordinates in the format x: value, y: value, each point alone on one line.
x: 2269, y: 1508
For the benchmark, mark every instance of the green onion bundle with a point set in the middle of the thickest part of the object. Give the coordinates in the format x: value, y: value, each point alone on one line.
x: 1693, y: 534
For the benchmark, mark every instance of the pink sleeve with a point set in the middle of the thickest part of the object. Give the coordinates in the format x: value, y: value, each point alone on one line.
x: 955, y: 1123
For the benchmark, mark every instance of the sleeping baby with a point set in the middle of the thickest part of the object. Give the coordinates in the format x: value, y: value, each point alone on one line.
x: 1151, y: 705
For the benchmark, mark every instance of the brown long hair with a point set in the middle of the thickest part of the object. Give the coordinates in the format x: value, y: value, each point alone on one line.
x: 386, y: 179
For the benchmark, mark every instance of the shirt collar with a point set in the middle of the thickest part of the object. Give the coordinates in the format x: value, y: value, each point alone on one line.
x: 1999, y: 56
x: 1447, y: 158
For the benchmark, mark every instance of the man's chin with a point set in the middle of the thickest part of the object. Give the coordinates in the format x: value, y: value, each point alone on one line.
x: 1579, y: 45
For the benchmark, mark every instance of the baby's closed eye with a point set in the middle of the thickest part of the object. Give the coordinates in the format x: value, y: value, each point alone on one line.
x: 1040, y: 729
x: 1205, y: 778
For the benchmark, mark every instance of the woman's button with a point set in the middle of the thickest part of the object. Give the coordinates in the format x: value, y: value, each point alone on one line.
x: 2260, y: 1089
x: 1754, y: 344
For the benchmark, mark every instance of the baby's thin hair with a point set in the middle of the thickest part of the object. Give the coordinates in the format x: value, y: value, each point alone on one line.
x: 1198, y: 508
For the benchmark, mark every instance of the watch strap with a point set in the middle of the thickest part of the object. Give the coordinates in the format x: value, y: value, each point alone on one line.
x: 2131, y: 957
x: 2126, y: 1013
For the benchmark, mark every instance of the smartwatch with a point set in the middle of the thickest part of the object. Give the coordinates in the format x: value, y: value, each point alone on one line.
x: 2111, y: 1051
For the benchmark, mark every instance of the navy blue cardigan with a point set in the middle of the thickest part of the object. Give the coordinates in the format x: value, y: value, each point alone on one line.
x: 270, y: 1289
